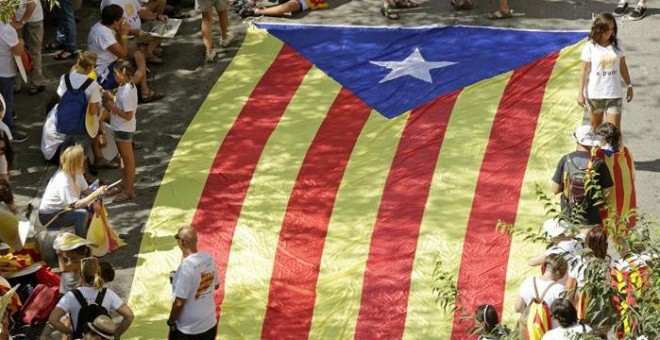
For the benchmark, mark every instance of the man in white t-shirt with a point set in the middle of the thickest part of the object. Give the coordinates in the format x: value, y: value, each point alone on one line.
x: 193, y: 314
x: 109, y: 40
x: 10, y: 46
x: 134, y: 13
x: 29, y: 22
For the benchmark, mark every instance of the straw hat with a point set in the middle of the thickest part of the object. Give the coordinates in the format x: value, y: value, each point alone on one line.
x: 69, y: 241
x: 103, y: 326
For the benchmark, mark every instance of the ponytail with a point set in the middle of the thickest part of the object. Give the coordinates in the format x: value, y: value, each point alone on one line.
x: 91, y: 272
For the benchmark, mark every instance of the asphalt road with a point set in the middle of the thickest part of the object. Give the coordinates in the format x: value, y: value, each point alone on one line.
x: 186, y: 81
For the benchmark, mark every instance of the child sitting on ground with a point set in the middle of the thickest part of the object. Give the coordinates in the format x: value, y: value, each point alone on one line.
x: 122, y: 119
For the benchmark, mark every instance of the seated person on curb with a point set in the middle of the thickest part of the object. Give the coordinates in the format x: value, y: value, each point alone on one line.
x: 250, y: 9
x: 571, y: 179
x: 109, y: 40
x: 62, y: 205
x: 134, y: 13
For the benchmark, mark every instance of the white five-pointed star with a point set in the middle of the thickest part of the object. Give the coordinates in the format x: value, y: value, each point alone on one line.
x: 414, y: 66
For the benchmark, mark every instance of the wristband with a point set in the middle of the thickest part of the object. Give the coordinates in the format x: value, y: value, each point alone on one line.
x: 630, y: 86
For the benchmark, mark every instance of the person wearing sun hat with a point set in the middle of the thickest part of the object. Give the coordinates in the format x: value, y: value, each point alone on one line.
x: 569, y: 179
x: 70, y: 249
x: 102, y: 328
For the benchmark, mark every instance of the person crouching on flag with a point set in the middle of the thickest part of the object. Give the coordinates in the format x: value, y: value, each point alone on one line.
x: 576, y: 173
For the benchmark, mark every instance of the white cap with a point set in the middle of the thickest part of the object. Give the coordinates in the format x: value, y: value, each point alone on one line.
x: 584, y: 135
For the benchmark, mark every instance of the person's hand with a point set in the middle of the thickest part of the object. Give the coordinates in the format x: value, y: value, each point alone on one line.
x: 142, y: 34
x: 162, y: 17
x: 580, y: 99
x: 125, y: 28
x: 107, y: 95
x: 97, y: 208
x: 17, y: 25
x: 629, y: 94
x: 102, y: 190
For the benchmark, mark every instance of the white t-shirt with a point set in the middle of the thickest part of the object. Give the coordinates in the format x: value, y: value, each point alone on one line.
x: 100, y: 38
x: 61, y: 191
x: 8, y: 39
x: 570, y: 333
x: 70, y: 305
x: 605, y: 75
x: 195, y: 281
x: 37, y: 15
x: 127, y: 100
x: 527, y: 292
x: 92, y: 92
x: 579, y: 270
x: 130, y: 7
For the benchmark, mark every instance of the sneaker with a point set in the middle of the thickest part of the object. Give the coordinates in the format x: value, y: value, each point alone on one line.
x: 210, y: 57
x: 19, y: 136
x: 225, y: 42
x: 638, y: 13
x: 620, y: 9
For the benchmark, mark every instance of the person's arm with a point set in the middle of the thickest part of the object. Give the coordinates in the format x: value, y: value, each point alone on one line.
x: 536, y: 260
x: 127, y: 319
x: 85, y: 202
x: 556, y: 188
x: 120, y: 48
x: 54, y: 320
x: 586, y: 68
x: 571, y: 284
x: 30, y: 6
x: 18, y: 48
x: 177, y: 308
x: 520, y: 305
x: 626, y: 78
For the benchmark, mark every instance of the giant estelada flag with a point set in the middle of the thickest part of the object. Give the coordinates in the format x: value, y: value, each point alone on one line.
x: 332, y: 170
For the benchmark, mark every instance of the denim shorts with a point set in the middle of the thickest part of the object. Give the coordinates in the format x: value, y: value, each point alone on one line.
x: 123, y: 136
x: 610, y: 106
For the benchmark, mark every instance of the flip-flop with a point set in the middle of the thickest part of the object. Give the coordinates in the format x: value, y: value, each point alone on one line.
x: 497, y: 15
x: 54, y: 46
x: 153, y: 95
x: 405, y: 4
x: 462, y: 4
x: 64, y: 55
x: 122, y: 197
x: 386, y: 11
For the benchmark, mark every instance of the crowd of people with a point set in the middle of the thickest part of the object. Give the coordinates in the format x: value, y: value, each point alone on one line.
x: 578, y: 235
x: 110, y: 79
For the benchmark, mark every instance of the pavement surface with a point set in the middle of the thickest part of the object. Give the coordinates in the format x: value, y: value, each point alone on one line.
x: 186, y: 80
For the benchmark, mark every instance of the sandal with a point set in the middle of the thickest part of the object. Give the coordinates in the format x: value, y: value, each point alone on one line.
x: 36, y: 89
x: 405, y: 4
x: 64, y: 55
x: 54, y: 46
x: 497, y: 14
x: 104, y: 164
x: 122, y: 197
x: 462, y: 4
x: 386, y: 11
x: 153, y: 95
x: 154, y: 60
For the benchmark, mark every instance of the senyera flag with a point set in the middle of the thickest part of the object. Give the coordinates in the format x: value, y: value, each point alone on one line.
x: 331, y: 170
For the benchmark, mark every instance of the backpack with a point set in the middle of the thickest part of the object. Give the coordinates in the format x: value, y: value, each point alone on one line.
x: 88, y: 312
x: 535, y: 319
x: 72, y: 108
x: 574, y: 186
x: 38, y: 306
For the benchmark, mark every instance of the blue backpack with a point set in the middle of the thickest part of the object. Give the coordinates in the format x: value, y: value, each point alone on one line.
x: 72, y: 108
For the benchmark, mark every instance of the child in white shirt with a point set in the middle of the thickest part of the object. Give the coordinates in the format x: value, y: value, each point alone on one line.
x: 122, y: 119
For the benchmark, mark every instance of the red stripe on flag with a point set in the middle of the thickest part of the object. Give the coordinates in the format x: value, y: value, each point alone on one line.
x: 632, y: 220
x: 234, y: 164
x: 394, y: 241
x: 297, y: 260
x: 482, y: 274
x: 618, y: 180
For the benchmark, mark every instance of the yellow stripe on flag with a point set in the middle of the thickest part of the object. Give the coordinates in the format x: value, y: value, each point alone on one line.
x: 183, y: 182
x: 449, y: 204
x: 339, y: 287
x: 257, y: 233
x: 559, y: 117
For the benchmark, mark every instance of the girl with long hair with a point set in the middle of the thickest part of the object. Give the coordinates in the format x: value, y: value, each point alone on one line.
x: 67, y: 195
x: 603, y: 68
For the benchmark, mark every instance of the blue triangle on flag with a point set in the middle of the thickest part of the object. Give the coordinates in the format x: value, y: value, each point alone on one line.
x: 395, y: 70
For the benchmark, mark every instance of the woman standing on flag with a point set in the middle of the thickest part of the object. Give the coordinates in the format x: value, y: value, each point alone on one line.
x: 603, y: 67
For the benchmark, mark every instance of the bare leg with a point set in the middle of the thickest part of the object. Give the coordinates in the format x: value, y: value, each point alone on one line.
x: 156, y: 6
x: 207, y: 31
x: 596, y: 119
x: 127, y: 157
x: 291, y: 6
x: 615, y: 119
x: 504, y: 6
x: 223, y: 18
